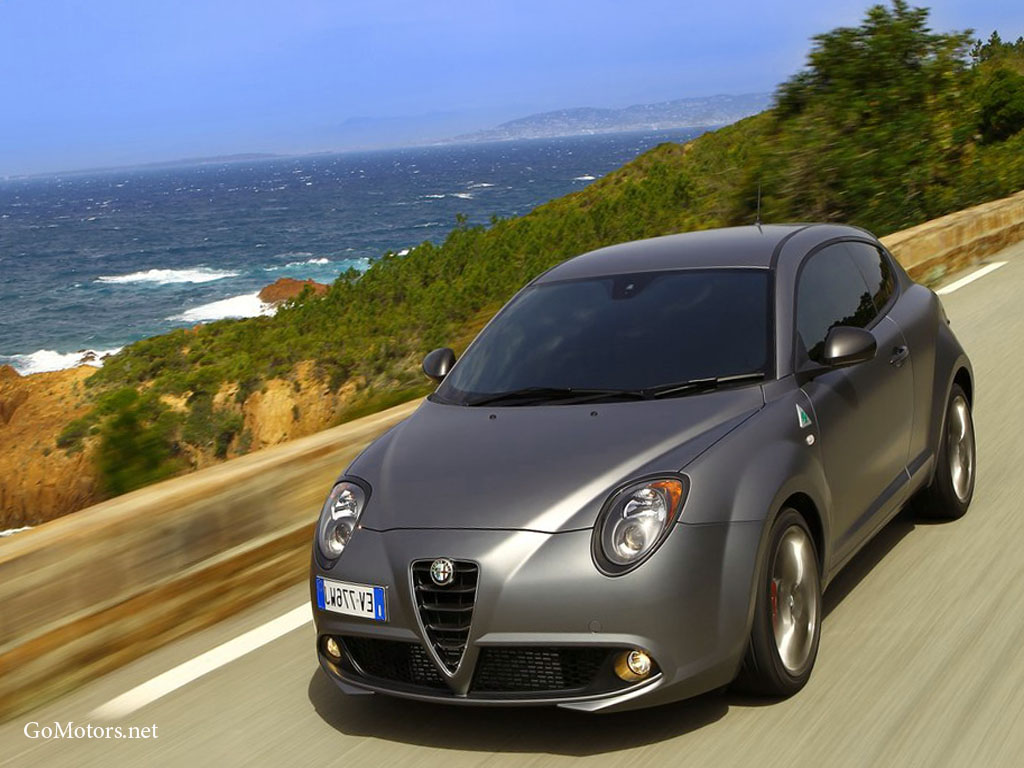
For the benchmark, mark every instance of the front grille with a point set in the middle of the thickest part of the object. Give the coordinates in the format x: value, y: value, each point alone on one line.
x: 501, y: 671
x: 522, y: 670
x: 446, y: 612
x: 393, y: 660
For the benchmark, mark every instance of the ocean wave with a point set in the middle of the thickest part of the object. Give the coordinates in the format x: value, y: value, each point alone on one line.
x: 478, y: 185
x: 43, y: 360
x: 360, y: 264
x: 292, y: 264
x: 247, y: 305
x: 463, y: 195
x: 168, y: 276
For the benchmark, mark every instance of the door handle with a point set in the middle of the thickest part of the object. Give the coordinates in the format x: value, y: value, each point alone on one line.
x: 899, y: 356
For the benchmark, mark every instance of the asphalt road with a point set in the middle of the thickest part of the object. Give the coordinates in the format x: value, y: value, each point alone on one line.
x: 921, y: 660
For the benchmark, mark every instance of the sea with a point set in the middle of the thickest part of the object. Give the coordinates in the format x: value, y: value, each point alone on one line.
x: 90, y: 262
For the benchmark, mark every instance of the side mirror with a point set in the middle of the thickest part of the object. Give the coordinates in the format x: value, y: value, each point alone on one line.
x: 846, y: 346
x: 437, y: 363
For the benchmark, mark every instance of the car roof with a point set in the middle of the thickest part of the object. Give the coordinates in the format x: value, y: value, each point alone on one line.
x: 749, y: 246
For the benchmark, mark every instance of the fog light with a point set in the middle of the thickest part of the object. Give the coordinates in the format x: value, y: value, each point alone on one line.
x: 331, y: 648
x: 632, y: 666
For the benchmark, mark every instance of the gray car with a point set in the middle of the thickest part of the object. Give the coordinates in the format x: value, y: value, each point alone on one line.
x: 637, y: 481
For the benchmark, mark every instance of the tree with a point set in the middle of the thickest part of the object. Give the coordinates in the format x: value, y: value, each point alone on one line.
x: 871, y: 124
x: 1001, y: 105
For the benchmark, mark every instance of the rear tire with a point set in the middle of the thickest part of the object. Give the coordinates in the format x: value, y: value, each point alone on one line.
x: 787, y: 612
x: 952, y: 487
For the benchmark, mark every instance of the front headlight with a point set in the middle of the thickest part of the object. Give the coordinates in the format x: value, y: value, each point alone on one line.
x: 338, y: 518
x: 634, y: 521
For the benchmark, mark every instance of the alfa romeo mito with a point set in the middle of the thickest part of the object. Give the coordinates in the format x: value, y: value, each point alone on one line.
x: 639, y: 478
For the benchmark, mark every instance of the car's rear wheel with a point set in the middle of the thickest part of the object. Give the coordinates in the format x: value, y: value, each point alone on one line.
x: 952, y: 488
x: 787, y: 615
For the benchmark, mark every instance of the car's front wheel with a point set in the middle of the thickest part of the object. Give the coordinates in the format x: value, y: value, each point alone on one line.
x: 787, y: 615
x: 952, y: 487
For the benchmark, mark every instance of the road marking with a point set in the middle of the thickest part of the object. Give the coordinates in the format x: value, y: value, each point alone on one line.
x: 970, y: 278
x: 185, y: 673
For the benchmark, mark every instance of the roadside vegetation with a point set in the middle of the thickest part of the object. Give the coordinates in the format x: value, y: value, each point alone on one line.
x: 889, y: 125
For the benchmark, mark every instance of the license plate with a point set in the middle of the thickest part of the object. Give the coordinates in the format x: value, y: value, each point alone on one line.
x: 363, y: 600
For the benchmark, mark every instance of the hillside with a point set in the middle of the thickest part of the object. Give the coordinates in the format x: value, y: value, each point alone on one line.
x: 888, y: 126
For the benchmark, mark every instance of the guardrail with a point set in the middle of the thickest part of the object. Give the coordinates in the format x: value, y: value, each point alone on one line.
x: 85, y: 593
x: 940, y: 246
x: 88, y: 592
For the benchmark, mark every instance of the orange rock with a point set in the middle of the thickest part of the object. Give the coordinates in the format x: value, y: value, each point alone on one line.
x: 286, y: 288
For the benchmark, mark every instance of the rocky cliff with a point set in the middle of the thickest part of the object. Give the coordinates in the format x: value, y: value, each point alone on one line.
x: 38, y: 481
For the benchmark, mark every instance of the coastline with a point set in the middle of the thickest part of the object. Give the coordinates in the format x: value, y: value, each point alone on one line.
x: 264, y: 302
x: 50, y: 360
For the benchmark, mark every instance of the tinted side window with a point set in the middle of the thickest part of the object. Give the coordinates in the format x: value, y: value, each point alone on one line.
x: 877, y: 272
x: 831, y: 292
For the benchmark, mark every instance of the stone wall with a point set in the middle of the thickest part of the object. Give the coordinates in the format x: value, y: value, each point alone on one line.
x: 941, y: 246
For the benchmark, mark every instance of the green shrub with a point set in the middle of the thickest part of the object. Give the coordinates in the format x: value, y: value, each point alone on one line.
x: 70, y: 438
x: 1001, y: 105
x: 137, y: 445
x: 209, y: 427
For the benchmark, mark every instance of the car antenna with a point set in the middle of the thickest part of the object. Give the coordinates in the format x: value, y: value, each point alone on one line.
x: 758, y: 221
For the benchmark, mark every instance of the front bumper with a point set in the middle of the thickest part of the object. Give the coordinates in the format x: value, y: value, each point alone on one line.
x: 688, y: 607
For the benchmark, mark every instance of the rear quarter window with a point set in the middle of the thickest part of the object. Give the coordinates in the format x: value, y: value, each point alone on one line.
x: 877, y: 272
x: 831, y: 291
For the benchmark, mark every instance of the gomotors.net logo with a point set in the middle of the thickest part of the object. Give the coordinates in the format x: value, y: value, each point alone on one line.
x: 69, y: 730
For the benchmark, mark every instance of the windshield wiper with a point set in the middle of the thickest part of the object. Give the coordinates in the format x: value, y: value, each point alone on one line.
x: 572, y: 395
x: 702, y: 385
x: 552, y: 393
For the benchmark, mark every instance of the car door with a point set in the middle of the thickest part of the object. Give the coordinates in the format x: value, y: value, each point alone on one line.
x: 864, y: 413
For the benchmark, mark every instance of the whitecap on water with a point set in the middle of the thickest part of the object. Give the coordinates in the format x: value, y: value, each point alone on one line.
x: 169, y: 276
x: 247, y: 305
x: 315, y: 261
x: 43, y: 360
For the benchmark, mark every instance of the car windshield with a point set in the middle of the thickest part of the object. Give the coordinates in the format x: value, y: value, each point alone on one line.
x: 613, y: 334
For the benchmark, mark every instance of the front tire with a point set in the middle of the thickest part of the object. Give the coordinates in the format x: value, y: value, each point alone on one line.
x: 952, y: 488
x: 787, y: 614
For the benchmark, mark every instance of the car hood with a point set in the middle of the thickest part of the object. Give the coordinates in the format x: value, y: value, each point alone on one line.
x: 543, y: 468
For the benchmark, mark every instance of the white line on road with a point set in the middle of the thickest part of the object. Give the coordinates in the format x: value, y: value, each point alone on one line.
x: 955, y: 286
x: 185, y: 673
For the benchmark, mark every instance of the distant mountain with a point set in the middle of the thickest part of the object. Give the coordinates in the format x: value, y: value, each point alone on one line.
x: 680, y: 113
x: 365, y: 132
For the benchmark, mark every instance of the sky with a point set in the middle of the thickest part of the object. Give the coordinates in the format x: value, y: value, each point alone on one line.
x: 116, y: 82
